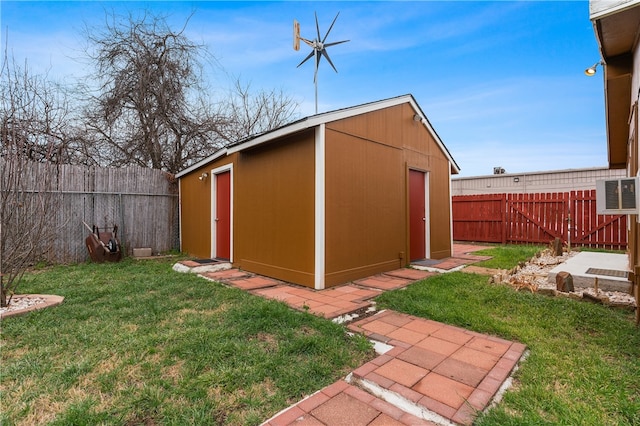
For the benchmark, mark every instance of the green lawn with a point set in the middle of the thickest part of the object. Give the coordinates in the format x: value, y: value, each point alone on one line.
x: 584, y: 361
x: 136, y: 343
x: 507, y: 256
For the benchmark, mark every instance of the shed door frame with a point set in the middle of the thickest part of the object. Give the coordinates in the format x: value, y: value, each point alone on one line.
x: 427, y: 218
x: 214, y: 192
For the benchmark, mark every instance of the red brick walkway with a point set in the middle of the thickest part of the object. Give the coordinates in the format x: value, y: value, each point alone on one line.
x: 435, y: 374
x: 432, y: 374
x: 329, y: 303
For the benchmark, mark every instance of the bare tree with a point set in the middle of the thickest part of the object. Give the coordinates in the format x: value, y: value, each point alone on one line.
x: 33, y: 136
x: 250, y: 114
x: 149, y: 101
x: 148, y: 107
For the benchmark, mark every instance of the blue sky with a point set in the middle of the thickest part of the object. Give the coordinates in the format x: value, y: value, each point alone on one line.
x: 502, y: 83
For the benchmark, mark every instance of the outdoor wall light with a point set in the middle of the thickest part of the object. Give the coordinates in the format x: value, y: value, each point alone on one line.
x: 591, y: 71
x: 516, y: 179
x: 416, y: 117
x: 203, y: 176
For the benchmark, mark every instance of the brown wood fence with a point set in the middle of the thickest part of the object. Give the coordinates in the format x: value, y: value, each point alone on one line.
x: 537, y: 219
x: 142, y: 202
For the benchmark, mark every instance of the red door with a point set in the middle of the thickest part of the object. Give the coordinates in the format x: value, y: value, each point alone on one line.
x: 417, y: 219
x: 223, y: 215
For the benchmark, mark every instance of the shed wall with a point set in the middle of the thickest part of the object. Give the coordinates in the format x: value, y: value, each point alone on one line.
x: 440, y: 243
x: 365, y: 220
x: 195, y: 215
x: 382, y: 145
x: 421, y: 152
x: 274, y: 209
x: 195, y: 209
x: 367, y: 163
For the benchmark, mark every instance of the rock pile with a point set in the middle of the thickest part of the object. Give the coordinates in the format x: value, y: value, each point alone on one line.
x: 533, y: 276
x: 22, y: 302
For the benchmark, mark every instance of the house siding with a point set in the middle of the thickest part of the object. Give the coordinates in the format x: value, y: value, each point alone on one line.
x: 616, y: 26
x: 534, y: 182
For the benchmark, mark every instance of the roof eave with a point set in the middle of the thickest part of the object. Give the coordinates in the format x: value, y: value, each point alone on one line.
x: 218, y: 154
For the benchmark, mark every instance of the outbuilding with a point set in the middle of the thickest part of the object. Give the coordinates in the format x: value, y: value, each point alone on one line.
x: 327, y: 199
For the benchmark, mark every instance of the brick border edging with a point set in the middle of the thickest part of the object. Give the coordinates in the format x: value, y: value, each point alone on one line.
x: 50, y: 300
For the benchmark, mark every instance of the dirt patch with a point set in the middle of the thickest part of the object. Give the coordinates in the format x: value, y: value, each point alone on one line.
x: 533, y: 276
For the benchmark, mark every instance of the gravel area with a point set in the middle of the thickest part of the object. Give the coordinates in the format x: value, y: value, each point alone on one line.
x: 22, y: 302
x: 533, y: 275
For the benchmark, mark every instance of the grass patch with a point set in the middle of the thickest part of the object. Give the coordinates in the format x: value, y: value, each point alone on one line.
x: 136, y: 343
x: 583, y: 366
x: 507, y: 256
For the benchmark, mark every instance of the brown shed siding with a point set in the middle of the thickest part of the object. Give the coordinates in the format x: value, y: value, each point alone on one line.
x: 421, y: 153
x: 440, y: 209
x: 368, y: 158
x: 365, y: 164
x: 274, y: 209
x: 364, y: 208
x: 195, y: 209
x: 384, y: 126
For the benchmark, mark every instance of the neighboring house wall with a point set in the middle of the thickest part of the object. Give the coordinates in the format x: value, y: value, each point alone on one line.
x: 617, y: 27
x: 534, y: 182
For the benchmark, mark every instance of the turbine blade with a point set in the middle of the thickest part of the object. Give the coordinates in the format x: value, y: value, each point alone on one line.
x: 326, y: 55
x: 317, y: 25
x: 335, y: 42
x: 330, y: 27
x: 306, y: 59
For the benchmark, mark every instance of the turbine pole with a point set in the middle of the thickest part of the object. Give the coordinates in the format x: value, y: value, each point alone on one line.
x: 319, y: 49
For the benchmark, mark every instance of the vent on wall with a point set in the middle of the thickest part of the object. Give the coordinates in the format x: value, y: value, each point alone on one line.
x: 617, y: 196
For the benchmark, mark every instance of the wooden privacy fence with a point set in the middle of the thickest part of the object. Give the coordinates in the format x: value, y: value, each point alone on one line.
x: 538, y: 219
x: 142, y: 202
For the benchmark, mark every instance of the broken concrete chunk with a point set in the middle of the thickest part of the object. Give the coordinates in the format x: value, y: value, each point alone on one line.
x: 564, y: 282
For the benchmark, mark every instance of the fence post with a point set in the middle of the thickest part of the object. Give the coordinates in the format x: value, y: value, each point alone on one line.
x: 505, y: 219
x: 569, y: 209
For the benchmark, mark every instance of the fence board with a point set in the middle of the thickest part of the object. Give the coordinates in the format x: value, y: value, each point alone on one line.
x: 142, y: 202
x: 479, y: 216
x: 537, y: 218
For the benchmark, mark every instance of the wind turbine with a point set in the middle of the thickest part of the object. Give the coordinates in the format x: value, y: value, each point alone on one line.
x: 318, y: 46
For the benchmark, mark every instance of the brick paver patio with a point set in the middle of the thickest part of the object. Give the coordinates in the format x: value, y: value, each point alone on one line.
x: 433, y: 373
